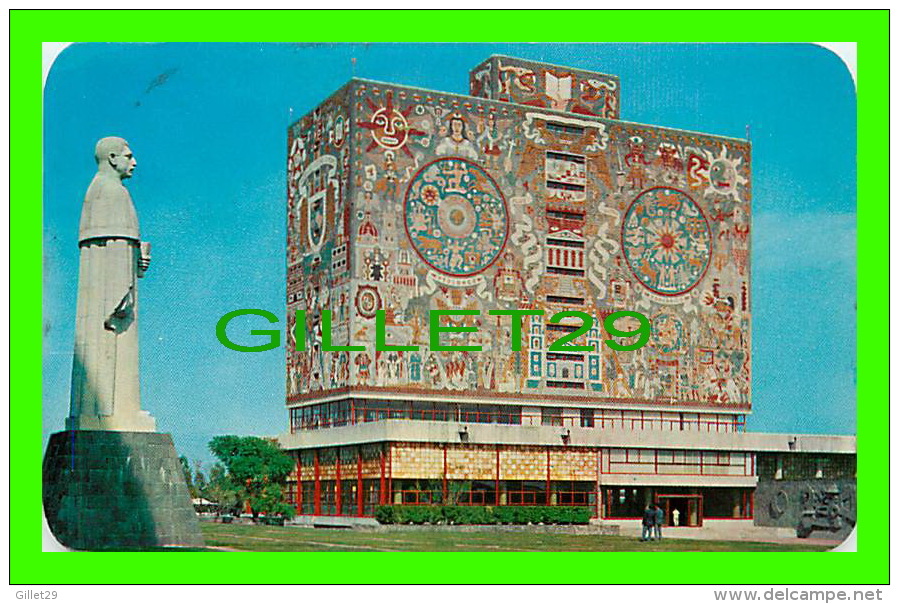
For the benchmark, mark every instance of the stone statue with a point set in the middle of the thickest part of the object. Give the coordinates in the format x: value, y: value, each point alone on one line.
x: 105, y: 377
x: 110, y: 481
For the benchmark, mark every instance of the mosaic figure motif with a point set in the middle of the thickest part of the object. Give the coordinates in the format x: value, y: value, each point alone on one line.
x: 456, y: 217
x: 317, y: 243
x: 667, y: 334
x: 666, y: 241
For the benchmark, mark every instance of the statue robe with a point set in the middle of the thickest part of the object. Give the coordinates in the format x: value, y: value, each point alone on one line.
x: 105, y: 374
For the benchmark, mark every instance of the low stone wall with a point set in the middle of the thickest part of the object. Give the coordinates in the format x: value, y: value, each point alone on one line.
x: 580, y: 529
x: 346, y: 522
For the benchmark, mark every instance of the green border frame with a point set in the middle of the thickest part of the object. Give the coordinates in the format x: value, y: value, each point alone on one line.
x: 870, y: 29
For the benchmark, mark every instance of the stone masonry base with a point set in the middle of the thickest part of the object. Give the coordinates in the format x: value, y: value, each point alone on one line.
x: 117, y: 490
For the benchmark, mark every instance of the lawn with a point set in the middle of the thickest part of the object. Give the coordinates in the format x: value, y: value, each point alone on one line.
x: 243, y: 537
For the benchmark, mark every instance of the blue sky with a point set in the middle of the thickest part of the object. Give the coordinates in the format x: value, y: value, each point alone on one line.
x: 207, y: 123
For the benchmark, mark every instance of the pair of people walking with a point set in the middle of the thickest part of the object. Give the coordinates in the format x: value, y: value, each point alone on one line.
x: 653, y: 518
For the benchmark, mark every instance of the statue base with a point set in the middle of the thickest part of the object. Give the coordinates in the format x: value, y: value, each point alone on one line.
x: 117, y: 490
x: 132, y: 422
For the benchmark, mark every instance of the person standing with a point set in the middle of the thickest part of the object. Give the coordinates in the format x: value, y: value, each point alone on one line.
x: 649, y: 517
x: 659, y: 520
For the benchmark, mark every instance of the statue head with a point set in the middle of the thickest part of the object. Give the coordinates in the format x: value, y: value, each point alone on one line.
x: 114, y: 155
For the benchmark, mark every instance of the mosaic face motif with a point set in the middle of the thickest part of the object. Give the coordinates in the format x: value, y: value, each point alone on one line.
x: 456, y: 217
x: 389, y: 128
x: 666, y: 241
x: 722, y: 176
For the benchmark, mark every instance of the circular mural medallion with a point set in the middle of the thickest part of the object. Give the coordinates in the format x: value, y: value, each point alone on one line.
x: 456, y: 217
x: 666, y: 241
x: 368, y: 301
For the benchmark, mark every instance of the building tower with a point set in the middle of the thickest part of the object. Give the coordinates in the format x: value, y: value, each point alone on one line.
x: 528, y: 194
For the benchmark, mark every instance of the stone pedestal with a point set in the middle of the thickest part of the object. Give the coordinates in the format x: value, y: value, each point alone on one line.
x: 117, y: 490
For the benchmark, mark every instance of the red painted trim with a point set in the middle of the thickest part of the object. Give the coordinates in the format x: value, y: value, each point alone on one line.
x: 360, y: 498
x: 548, y: 481
x: 662, y: 405
x: 298, y: 501
x: 317, y: 497
x: 338, y: 509
x: 496, y: 486
x: 390, y: 473
x: 425, y: 497
x: 445, y: 484
x: 382, y: 490
x: 677, y: 474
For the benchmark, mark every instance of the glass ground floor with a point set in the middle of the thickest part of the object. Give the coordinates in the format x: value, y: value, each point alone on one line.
x: 354, y: 480
x: 683, y: 506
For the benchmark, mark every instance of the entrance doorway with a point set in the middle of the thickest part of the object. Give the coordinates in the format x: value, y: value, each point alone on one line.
x: 682, y: 510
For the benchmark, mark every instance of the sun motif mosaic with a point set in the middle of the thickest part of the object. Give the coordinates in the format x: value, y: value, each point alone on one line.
x: 666, y: 241
x: 456, y: 217
x: 389, y: 127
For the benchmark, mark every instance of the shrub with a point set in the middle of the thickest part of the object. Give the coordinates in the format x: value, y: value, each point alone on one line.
x: 471, y: 514
x: 453, y: 514
x: 505, y: 514
x: 274, y: 520
x: 530, y: 514
x: 385, y: 514
x: 419, y: 514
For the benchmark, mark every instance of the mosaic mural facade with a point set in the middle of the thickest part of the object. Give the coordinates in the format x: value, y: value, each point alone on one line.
x: 318, y: 242
x: 522, y: 196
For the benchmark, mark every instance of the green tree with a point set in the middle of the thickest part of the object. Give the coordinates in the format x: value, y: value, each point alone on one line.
x: 221, y: 489
x: 199, y: 479
x: 258, y: 468
x: 188, y: 476
x: 271, y: 501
